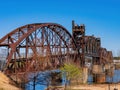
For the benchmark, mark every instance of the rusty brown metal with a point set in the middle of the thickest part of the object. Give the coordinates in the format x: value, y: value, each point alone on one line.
x: 38, y: 46
x: 41, y: 46
x: 89, y: 46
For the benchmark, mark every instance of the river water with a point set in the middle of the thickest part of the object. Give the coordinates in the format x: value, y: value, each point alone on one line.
x: 43, y: 80
x: 114, y: 79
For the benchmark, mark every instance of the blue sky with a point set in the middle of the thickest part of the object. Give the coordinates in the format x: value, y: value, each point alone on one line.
x: 101, y: 17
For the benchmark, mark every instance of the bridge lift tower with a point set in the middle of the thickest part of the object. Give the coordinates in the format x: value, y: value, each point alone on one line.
x: 78, y: 32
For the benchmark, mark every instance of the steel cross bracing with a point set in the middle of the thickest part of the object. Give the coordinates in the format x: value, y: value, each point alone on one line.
x: 41, y: 46
x: 38, y: 47
x: 89, y: 46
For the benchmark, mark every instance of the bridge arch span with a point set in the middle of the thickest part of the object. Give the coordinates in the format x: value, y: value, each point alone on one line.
x: 49, y: 42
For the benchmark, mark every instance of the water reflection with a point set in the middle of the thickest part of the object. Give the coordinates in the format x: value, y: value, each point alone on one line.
x: 114, y: 79
x: 40, y: 80
x: 43, y: 80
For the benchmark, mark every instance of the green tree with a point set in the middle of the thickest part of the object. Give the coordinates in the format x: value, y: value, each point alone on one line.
x: 73, y: 72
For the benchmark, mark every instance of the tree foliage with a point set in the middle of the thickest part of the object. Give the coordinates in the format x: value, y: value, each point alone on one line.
x: 72, y: 71
x: 117, y: 58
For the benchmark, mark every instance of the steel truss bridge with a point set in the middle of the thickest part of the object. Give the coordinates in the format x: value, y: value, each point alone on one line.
x: 45, y: 46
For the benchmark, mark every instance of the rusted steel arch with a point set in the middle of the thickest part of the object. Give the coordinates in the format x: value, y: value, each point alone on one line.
x: 16, y: 37
x: 36, y: 25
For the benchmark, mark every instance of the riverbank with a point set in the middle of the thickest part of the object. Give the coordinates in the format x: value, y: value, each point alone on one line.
x: 95, y: 87
x: 6, y: 83
x: 87, y: 87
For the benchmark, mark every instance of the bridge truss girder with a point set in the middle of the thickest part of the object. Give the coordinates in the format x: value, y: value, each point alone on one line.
x: 39, y: 46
